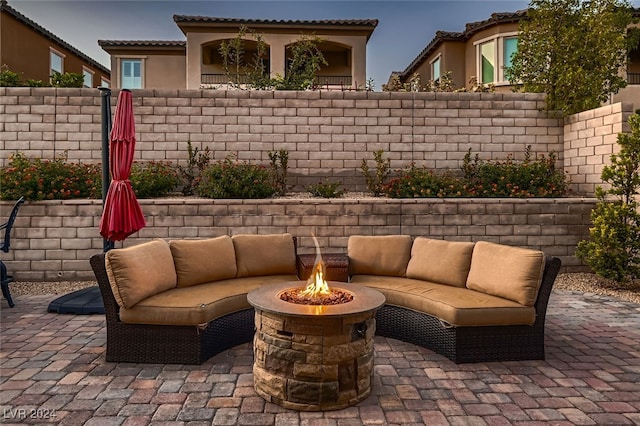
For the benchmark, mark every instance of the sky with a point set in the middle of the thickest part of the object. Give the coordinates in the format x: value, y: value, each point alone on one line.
x: 404, y: 27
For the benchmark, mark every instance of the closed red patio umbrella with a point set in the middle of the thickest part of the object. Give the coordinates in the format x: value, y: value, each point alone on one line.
x: 122, y: 215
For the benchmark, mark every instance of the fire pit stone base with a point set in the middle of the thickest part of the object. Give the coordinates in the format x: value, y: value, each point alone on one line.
x: 313, y: 363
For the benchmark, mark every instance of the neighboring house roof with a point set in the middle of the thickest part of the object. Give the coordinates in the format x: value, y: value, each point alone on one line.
x: 367, y: 23
x: 470, y: 29
x: 49, y: 35
x: 142, y: 43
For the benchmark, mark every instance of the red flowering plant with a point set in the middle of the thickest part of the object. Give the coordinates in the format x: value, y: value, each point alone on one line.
x: 38, y: 179
x: 508, y: 178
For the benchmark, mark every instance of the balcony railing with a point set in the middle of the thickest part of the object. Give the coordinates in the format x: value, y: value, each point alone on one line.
x: 221, y: 79
x: 333, y: 80
x: 321, y: 80
x: 633, y: 77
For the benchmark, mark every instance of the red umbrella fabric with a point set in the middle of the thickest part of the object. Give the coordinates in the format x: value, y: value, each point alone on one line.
x: 122, y: 215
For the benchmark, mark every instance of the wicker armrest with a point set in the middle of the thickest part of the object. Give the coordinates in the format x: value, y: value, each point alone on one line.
x: 336, y: 266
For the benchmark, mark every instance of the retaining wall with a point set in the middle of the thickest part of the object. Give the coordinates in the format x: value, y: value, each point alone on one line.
x: 590, y: 137
x: 327, y: 134
x: 53, y: 240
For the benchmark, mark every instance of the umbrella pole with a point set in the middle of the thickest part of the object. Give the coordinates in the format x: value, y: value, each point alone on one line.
x: 105, y: 93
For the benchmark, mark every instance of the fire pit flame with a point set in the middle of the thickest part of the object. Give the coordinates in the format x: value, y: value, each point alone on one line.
x: 316, y: 284
x: 317, y: 291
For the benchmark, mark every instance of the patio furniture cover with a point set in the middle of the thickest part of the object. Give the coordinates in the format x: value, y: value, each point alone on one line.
x: 122, y: 215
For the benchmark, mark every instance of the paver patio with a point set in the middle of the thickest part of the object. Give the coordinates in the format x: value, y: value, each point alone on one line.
x: 53, y: 364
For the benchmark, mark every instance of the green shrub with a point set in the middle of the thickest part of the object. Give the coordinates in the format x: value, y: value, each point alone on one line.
x: 613, y: 248
x: 420, y: 182
x: 38, y: 179
x: 8, y: 78
x: 279, y: 163
x: 230, y: 178
x: 326, y: 189
x: 191, y: 175
x: 68, y: 79
x: 508, y: 178
x: 153, y: 179
x: 376, y: 181
x: 511, y: 178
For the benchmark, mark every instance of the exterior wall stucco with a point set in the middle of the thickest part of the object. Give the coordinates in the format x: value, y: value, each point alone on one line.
x: 277, y: 46
x: 16, y: 39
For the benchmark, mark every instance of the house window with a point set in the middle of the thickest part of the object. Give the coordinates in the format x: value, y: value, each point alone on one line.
x: 435, y: 70
x: 488, y: 62
x: 105, y: 83
x: 131, y: 74
x: 510, y: 48
x: 87, y: 76
x: 56, y: 62
x: 494, y: 55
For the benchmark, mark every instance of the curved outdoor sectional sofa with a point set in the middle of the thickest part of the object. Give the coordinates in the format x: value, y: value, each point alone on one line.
x: 183, y: 301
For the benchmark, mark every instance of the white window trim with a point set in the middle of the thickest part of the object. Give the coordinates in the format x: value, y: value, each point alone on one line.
x: 433, y: 61
x: 498, y: 73
x: 118, y: 76
x: 90, y: 71
x: 61, y: 55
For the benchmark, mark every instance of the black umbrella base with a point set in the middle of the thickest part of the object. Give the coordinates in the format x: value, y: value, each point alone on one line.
x: 86, y: 301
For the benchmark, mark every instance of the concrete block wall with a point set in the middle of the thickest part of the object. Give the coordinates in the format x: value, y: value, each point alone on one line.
x: 327, y: 134
x: 590, y: 137
x: 53, y: 240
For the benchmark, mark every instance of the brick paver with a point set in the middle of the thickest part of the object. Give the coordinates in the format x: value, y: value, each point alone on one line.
x: 52, y: 370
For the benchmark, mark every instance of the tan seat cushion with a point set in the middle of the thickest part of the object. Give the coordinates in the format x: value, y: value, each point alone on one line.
x: 379, y: 255
x: 443, y: 262
x: 201, y: 261
x: 258, y: 255
x: 141, y: 271
x: 511, y: 272
x: 456, y: 306
x: 198, y: 304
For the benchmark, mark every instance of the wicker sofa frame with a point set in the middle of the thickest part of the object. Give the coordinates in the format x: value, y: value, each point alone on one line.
x: 473, y: 344
x: 172, y: 344
x: 167, y: 344
x: 162, y: 344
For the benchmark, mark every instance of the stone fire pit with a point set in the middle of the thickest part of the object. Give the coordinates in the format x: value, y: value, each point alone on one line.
x: 314, y: 357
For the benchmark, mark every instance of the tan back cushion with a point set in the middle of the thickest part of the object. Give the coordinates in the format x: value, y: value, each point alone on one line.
x: 202, y: 261
x: 141, y: 271
x: 379, y: 255
x: 510, y: 272
x: 439, y: 261
x: 265, y: 255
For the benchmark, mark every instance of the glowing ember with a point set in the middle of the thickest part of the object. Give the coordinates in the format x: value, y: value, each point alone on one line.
x: 317, y: 291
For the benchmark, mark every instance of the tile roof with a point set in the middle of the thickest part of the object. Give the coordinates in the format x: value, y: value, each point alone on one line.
x: 367, y: 24
x: 4, y: 7
x: 142, y: 43
x: 219, y: 20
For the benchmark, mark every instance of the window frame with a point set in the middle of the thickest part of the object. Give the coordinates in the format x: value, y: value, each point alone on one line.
x: 498, y: 52
x: 85, y: 73
x: 121, y: 60
x: 436, y: 60
x: 60, y: 55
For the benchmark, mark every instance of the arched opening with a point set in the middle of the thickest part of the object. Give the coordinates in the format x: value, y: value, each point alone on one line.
x: 338, y: 71
x: 213, y: 71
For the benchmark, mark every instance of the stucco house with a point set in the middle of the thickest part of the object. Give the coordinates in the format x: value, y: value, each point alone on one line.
x: 196, y: 62
x: 33, y: 52
x: 484, y: 49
